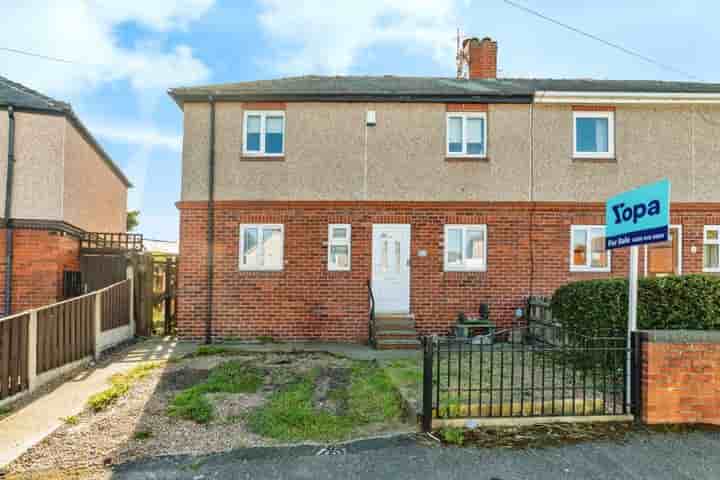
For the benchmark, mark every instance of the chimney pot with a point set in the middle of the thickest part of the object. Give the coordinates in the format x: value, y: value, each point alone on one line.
x: 482, y: 57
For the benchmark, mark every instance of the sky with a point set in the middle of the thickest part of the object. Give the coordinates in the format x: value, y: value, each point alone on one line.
x: 127, y: 53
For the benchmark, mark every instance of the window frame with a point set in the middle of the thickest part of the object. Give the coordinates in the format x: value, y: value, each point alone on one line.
x: 610, y: 116
x: 588, y: 248
x: 347, y: 241
x: 465, y: 267
x: 263, y: 120
x: 261, y: 268
x: 465, y: 116
x: 706, y: 228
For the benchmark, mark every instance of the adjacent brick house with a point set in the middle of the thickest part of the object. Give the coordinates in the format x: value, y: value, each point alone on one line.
x: 61, y: 184
x: 443, y: 193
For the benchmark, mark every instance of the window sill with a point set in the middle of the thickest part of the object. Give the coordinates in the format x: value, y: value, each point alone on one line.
x: 466, y: 158
x: 465, y: 270
x: 590, y: 270
x: 260, y: 270
x: 603, y: 159
x: 262, y: 158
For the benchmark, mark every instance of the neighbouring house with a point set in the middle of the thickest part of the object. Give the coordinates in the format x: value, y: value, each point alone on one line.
x: 58, y: 184
x: 442, y: 193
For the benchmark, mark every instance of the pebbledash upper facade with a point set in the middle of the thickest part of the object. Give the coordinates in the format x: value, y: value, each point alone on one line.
x: 442, y: 193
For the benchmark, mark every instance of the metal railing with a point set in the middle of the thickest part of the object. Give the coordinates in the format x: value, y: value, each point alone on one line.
x: 371, y: 315
x: 492, y: 378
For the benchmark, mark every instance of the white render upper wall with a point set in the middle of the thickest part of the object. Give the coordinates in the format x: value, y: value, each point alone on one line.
x: 328, y: 158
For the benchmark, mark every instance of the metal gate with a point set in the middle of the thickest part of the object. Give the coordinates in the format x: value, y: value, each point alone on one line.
x: 514, y: 373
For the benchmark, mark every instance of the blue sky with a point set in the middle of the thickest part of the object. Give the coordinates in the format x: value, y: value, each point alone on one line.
x: 129, y: 53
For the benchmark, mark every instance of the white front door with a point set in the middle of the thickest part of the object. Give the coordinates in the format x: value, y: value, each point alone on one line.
x: 391, y: 268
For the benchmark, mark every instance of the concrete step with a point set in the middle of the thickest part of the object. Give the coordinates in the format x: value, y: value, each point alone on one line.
x: 398, y: 344
x: 394, y: 325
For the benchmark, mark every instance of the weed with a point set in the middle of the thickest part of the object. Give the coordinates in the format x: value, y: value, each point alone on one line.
x: 142, y: 435
x: 5, y: 411
x: 119, y: 385
x: 453, y: 435
x: 229, y: 377
x: 290, y: 415
x: 71, y: 420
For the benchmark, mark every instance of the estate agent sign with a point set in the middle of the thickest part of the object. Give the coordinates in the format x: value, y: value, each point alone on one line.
x: 638, y: 216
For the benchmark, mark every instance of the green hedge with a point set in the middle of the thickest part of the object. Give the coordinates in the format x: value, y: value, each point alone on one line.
x: 678, y: 302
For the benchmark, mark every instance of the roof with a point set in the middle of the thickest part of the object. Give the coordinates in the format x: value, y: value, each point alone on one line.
x: 21, y: 97
x: 165, y: 247
x: 388, y: 87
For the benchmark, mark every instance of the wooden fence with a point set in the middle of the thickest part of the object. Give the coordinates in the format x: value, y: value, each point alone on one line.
x: 115, y: 306
x: 14, y: 355
x: 65, y: 332
x: 40, y: 344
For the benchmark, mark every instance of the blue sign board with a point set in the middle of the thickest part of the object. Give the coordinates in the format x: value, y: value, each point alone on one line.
x: 638, y: 216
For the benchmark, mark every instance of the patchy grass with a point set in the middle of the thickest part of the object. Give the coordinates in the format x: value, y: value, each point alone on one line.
x: 229, y: 377
x: 143, y: 435
x: 5, y: 412
x: 211, y: 350
x: 71, y: 420
x: 265, y: 339
x: 119, y: 386
x: 290, y: 415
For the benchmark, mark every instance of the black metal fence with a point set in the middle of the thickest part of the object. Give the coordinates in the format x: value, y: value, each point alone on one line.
x: 513, y: 374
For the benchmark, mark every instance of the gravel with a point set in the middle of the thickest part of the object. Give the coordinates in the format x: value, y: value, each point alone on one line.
x: 99, y: 440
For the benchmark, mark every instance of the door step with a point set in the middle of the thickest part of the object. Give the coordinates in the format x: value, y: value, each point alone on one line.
x: 395, y: 331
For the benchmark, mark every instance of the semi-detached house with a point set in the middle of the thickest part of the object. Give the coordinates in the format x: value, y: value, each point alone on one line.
x: 440, y: 194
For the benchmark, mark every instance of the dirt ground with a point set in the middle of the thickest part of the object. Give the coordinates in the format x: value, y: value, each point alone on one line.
x: 139, y: 426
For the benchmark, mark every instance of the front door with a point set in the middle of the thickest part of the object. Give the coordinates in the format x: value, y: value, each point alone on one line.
x: 391, y: 268
x: 663, y: 259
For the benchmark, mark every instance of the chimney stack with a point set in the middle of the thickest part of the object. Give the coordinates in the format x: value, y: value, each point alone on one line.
x: 481, y: 56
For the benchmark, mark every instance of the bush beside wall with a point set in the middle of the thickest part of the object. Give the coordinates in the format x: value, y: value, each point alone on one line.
x: 679, y: 302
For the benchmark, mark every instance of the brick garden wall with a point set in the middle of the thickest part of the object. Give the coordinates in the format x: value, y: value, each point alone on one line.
x: 680, y: 377
x: 40, y: 257
x: 305, y: 301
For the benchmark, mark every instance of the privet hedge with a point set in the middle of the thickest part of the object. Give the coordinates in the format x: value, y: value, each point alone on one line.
x: 595, y: 307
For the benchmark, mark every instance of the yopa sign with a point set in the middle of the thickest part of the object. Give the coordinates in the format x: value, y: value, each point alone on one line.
x: 638, y: 216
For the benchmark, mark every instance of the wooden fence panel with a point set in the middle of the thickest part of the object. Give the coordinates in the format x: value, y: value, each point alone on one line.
x: 115, y: 306
x: 65, y: 333
x: 13, y: 355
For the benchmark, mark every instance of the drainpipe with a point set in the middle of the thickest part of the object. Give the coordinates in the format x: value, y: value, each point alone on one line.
x: 7, y: 301
x: 211, y: 221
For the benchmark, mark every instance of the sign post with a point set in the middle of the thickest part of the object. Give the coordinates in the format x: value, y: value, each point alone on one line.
x: 636, y: 217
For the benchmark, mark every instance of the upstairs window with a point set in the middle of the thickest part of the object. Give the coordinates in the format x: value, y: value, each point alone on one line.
x: 264, y: 133
x: 466, y: 134
x: 711, y: 248
x: 587, y: 249
x: 465, y: 248
x: 593, y: 134
x: 339, y: 247
x: 261, y: 247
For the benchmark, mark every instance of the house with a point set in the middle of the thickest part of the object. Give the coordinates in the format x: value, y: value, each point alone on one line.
x: 57, y: 184
x: 442, y: 193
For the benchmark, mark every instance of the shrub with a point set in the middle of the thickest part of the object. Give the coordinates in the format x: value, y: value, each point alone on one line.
x: 595, y: 307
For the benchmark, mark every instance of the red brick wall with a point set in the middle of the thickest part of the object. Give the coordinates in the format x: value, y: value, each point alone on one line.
x: 305, y: 301
x: 680, y: 377
x: 39, y: 259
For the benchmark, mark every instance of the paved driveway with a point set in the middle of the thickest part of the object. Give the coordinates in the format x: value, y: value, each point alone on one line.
x: 661, y: 456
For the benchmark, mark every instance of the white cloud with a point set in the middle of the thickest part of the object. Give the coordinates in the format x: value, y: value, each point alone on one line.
x: 86, y: 32
x: 146, y: 136
x: 331, y: 35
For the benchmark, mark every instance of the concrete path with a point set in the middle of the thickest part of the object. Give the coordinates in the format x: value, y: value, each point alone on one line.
x: 352, y: 351
x: 642, y: 457
x: 39, y: 418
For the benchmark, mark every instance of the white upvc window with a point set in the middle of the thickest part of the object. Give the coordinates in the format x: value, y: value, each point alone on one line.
x: 339, y: 235
x: 264, y: 133
x: 466, y: 134
x: 261, y: 246
x: 587, y: 249
x: 711, y: 248
x: 465, y: 248
x: 594, y: 134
